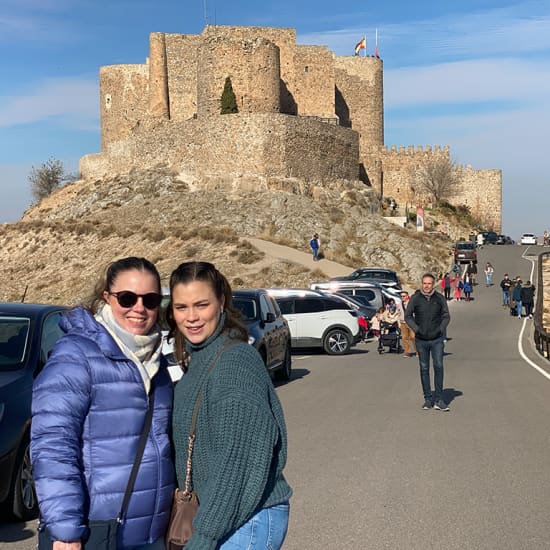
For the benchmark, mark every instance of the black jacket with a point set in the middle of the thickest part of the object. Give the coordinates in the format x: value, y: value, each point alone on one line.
x: 527, y: 294
x: 427, y: 316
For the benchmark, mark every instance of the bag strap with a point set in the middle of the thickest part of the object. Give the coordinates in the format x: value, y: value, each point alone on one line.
x: 139, y: 455
x: 191, y: 445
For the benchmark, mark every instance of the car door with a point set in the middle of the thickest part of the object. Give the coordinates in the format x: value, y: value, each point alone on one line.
x: 311, y: 320
x: 286, y: 305
x: 269, y: 332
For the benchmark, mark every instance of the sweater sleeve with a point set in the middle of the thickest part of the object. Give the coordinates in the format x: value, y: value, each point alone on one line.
x: 244, y: 437
x: 61, y: 396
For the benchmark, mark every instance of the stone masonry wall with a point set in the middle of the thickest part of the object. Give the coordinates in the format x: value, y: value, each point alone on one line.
x: 228, y: 148
x: 252, y: 65
x: 124, y: 100
x: 182, y: 56
x: 314, y: 73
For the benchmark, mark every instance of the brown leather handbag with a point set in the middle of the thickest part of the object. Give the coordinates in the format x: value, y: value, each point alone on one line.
x: 186, y: 502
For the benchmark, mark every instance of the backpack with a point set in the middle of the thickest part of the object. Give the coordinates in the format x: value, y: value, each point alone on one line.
x: 460, y: 285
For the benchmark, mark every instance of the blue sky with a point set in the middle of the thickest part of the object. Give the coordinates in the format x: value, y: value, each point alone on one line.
x: 474, y: 76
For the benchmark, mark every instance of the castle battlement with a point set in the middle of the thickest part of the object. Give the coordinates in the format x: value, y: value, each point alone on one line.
x: 302, y: 112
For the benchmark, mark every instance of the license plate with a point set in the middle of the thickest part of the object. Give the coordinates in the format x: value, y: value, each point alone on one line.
x: 461, y: 256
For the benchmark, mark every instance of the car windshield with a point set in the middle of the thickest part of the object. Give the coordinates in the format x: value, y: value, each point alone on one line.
x: 14, y: 332
x: 247, y: 307
x: 466, y: 246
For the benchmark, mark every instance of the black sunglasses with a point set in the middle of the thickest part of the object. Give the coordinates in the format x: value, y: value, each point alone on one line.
x: 127, y: 298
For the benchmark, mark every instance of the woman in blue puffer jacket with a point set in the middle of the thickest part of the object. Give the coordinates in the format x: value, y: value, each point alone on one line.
x: 89, y: 407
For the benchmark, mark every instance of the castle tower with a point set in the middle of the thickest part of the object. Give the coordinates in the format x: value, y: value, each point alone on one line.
x: 253, y: 66
x: 159, y: 104
x: 360, y: 104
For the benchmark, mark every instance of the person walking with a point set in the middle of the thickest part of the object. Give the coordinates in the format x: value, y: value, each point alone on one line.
x: 516, y: 296
x: 446, y: 286
x: 467, y: 289
x: 489, y: 271
x: 315, y: 244
x: 102, y: 387
x: 505, y: 285
x: 428, y: 316
x: 527, y: 298
x: 240, y: 450
x: 407, y: 334
x: 471, y: 270
x: 459, y: 285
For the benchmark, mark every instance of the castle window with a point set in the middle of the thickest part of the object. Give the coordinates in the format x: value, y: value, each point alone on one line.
x: 306, y: 69
x: 108, y: 101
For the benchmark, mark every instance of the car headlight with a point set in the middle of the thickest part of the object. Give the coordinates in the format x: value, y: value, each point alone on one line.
x: 251, y: 340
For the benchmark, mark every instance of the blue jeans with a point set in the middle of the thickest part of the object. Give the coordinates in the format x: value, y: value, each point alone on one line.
x: 315, y: 253
x: 489, y: 278
x: 505, y: 297
x: 265, y: 529
x: 519, y: 307
x: 425, y: 348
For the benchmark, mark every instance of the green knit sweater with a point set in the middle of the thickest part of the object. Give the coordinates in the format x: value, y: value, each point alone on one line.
x: 241, y: 442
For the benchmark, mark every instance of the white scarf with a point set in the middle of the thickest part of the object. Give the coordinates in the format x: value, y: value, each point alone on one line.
x: 143, y: 350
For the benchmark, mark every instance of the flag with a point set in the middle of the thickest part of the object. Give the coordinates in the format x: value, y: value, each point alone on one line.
x: 361, y: 45
x: 376, y: 51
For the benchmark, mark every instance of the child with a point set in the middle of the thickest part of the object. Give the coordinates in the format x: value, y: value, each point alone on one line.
x: 458, y: 289
x: 375, y: 324
x: 467, y: 289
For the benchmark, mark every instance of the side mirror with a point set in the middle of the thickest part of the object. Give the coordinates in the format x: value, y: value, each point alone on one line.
x: 270, y: 317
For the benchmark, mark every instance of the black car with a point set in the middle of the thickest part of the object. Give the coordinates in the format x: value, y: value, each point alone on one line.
x: 268, y: 330
x: 489, y: 237
x: 28, y: 333
x: 382, y: 276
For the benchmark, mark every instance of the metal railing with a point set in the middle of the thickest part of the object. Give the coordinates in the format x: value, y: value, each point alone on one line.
x: 542, y: 338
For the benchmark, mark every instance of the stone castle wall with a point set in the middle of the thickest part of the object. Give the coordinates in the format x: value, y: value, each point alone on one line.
x: 230, y: 148
x: 309, y: 112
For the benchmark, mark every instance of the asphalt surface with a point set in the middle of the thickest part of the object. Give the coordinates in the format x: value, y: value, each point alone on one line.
x: 371, y: 470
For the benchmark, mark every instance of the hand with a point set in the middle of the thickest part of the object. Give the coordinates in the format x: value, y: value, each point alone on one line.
x: 60, y: 545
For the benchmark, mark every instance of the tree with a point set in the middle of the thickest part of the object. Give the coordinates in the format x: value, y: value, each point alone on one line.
x: 229, y: 101
x: 47, y: 178
x: 437, y: 178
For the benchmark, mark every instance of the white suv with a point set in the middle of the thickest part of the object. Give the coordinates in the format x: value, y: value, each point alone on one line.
x: 317, y: 320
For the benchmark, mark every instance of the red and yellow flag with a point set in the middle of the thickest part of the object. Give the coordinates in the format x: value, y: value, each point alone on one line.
x: 361, y: 45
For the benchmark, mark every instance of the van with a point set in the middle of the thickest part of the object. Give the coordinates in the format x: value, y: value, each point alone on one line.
x: 465, y: 252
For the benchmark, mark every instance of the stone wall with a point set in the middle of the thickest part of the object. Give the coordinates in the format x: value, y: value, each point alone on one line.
x: 230, y: 148
x: 124, y: 100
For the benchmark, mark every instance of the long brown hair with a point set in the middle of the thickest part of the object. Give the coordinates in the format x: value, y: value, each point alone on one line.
x: 206, y: 272
x: 109, y: 275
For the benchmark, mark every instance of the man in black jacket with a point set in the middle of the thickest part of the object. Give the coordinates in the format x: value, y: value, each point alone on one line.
x: 428, y: 316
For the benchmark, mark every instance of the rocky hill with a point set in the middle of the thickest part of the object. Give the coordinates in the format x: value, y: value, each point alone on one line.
x: 55, y: 252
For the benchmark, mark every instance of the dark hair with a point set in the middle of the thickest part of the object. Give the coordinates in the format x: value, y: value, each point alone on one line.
x: 110, y: 274
x: 430, y: 275
x: 188, y: 272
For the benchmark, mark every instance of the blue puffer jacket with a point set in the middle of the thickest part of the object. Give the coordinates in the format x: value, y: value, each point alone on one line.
x: 89, y: 406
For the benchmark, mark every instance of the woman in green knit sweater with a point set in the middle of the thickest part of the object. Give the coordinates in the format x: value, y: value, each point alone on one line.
x: 241, y: 443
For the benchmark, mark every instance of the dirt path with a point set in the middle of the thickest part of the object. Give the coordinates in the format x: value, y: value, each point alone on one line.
x: 329, y: 268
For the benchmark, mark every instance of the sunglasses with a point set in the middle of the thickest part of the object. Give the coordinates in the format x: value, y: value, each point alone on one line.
x: 127, y: 298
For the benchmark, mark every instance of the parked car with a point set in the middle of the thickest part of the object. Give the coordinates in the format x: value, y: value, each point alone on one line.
x: 268, y: 330
x: 371, y: 294
x: 465, y: 252
x: 489, y: 237
x: 385, y: 277
x: 318, y: 321
x: 528, y: 238
x: 28, y: 333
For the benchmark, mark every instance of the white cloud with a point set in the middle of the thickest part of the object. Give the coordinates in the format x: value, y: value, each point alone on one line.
x: 74, y: 99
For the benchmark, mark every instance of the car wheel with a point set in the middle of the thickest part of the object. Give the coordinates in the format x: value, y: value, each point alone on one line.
x: 284, y: 373
x: 337, y: 342
x: 25, y: 504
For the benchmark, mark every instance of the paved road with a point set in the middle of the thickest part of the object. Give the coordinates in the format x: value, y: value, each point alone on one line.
x: 371, y: 470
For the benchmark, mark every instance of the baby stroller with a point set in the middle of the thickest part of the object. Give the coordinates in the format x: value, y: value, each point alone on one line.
x: 390, y: 337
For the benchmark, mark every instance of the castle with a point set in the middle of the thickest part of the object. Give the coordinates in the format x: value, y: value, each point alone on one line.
x: 303, y: 113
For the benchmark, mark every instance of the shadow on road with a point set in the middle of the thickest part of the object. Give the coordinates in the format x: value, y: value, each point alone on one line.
x: 449, y: 394
x: 13, y: 532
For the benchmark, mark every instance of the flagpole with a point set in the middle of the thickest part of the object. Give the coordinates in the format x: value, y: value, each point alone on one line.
x: 365, y: 39
x: 376, y: 48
